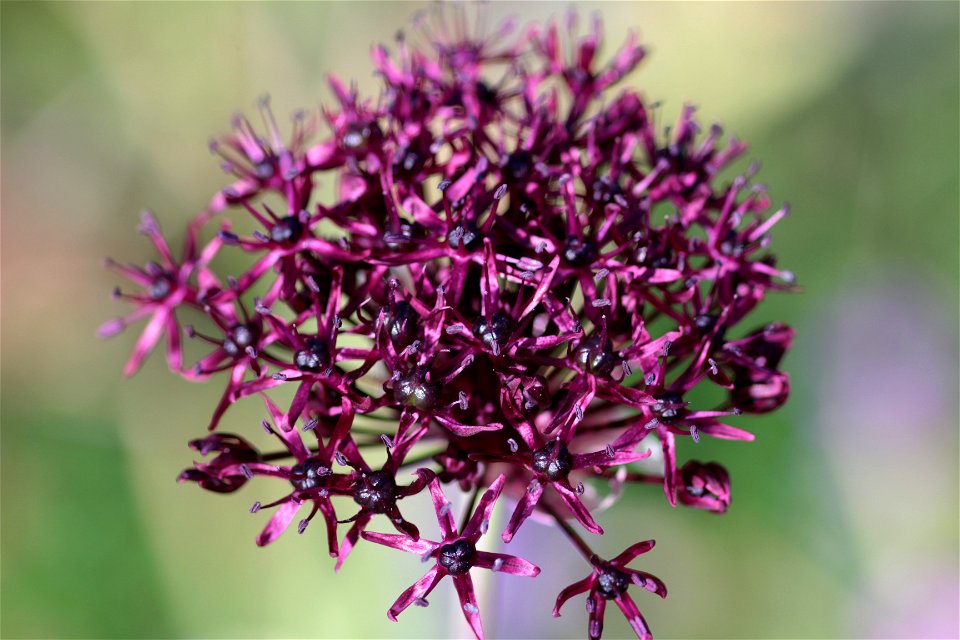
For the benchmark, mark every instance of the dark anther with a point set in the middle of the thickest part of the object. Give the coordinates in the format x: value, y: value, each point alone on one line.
x: 307, y: 474
x: 376, y: 492
x: 286, y: 229
x: 553, y: 461
x: 517, y: 165
x: 457, y: 557
x: 401, y: 323
x: 414, y: 390
x: 313, y: 357
x: 238, y: 339
x: 612, y: 582
x: 493, y: 332
x: 595, y: 357
x: 578, y: 252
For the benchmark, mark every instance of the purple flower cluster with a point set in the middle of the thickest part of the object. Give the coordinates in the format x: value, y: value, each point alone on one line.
x: 502, y: 275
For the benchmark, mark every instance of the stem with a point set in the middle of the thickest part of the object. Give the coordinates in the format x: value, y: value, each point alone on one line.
x: 371, y: 431
x: 635, y: 477
x: 279, y: 455
x: 418, y: 459
x: 575, y: 538
x: 469, y: 510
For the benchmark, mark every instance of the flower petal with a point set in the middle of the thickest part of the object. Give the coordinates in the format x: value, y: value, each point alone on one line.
x: 633, y: 616
x: 448, y: 527
x: 350, y: 540
x: 489, y: 285
x: 174, y: 349
x: 546, y: 279
x: 524, y: 508
x: 595, y: 626
x: 420, y: 589
x: 580, y: 512
x: 648, y: 581
x: 508, y: 564
x: 330, y: 518
x: 466, y: 430
x: 669, y: 448
x: 279, y: 522
x: 146, y: 342
x: 571, y: 590
x: 403, y: 543
x: 468, y: 602
x: 633, y: 551
x: 725, y: 431
x: 603, y: 459
x: 484, y: 509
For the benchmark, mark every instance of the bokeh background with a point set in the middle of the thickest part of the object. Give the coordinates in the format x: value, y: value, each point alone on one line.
x: 845, y: 514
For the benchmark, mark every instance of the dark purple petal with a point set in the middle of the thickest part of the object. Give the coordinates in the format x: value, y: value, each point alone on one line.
x: 572, y: 499
x: 634, y: 617
x: 572, y: 590
x: 523, y: 510
x: 353, y: 535
x: 448, y: 526
x: 507, y: 564
x: 403, y: 543
x: 484, y: 509
x: 597, y: 606
x: 279, y: 522
x: 669, y: 465
x: 420, y: 589
x: 468, y: 602
x: 633, y: 551
x: 148, y: 339
x: 647, y: 581
x: 603, y: 459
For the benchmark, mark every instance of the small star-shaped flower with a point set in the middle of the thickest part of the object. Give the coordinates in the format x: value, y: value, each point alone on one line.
x: 455, y: 555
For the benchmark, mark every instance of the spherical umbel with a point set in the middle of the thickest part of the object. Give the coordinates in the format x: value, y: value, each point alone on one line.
x: 504, y: 261
x: 457, y: 557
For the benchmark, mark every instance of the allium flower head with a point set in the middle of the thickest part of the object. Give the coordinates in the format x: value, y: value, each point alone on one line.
x: 519, y: 278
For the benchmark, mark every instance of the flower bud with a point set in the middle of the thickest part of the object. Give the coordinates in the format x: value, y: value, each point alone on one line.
x: 704, y: 486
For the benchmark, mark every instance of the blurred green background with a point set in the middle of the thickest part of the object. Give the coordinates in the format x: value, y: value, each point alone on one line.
x: 845, y: 514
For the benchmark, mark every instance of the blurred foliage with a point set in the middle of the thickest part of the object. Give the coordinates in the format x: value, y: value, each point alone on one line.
x: 106, y: 108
